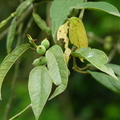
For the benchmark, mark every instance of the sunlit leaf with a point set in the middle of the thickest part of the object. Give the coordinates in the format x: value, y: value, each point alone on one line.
x: 59, y: 12
x: 77, y: 33
x: 41, y: 23
x: 106, y: 80
x: 62, y: 34
x: 10, y: 60
x: 57, y: 69
x: 96, y: 57
x: 11, y: 35
x: 103, y: 6
x: 40, y: 84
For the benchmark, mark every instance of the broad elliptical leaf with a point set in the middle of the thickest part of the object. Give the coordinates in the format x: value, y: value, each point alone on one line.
x: 39, y: 85
x: 57, y: 68
x: 96, y: 57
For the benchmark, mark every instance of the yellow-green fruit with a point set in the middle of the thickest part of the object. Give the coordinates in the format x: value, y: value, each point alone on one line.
x: 39, y: 61
x: 36, y: 62
x: 41, y: 49
x: 46, y: 43
x: 42, y: 60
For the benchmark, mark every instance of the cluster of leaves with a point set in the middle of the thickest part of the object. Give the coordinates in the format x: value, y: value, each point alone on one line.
x: 70, y: 31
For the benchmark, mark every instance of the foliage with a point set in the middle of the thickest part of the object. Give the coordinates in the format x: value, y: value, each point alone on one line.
x: 70, y: 41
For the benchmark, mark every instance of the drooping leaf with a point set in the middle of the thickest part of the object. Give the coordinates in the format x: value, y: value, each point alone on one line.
x: 77, y: 33
x: 59, y: 12
x: 115, y: 67
x: 96, y: 57
x: 57, y: 69
x: 41, y: 23
x: 107, y: 81
x: 103, y: 6
x: 10, y: 60
x: 11, y: 35
x: 22, y: 7
x: 40, y: 84
x: 62, y: 34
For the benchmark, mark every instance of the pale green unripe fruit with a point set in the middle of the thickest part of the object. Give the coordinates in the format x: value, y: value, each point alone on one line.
x: 36, y: 62
x: 41, y: 49
x: 39, y: 61
x: 46, y: 43
x: 42, y: 60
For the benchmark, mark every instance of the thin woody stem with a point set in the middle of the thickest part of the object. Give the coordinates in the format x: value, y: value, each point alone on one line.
x: 82, y: 12
x: 78, y: 69
x: 20, y: 113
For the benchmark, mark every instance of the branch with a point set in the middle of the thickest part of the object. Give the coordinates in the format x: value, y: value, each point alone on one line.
x: 22, y: 18
x: 78, y: 69
x: 113, y: 52
x: 20, y: 113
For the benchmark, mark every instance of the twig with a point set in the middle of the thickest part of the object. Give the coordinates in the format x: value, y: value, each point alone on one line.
x: 96, y: 38
x: 82, y: 12
x: 113, y: 52
x: 22, y: 18
x: 78, y: 69
x: 20, y: 113
x: 25, y: 32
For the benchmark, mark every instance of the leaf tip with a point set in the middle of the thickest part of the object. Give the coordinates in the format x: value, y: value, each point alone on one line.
x: 116, y: 77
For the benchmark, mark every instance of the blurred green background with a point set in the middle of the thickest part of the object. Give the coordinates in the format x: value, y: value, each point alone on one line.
x: 84, y: 98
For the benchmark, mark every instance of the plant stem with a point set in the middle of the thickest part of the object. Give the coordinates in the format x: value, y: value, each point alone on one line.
x: 31, y: 40
x: 95, y: 37
x: 27, y: 28
x: 82, y: 12
x: 20, y: 113
x: 77, y: 69
x: 22, y: 18
x: 113, y: 52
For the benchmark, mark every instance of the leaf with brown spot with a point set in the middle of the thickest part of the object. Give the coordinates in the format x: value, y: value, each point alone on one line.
x: 62, y: 34
x: 77, y: 33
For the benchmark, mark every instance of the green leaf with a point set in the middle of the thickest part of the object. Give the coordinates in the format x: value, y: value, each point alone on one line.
x: 59, y: 12
x: 40, y: 84
x: 77, y: 33
x: 116, y: 68
x: 103, y: 6
x: 106, y: 80
x: 22, y: 7
x: 11, y: 35
x: 41, y: 23
x: 96, y: 57
x: 10, y: 60
x: 57, y: 69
